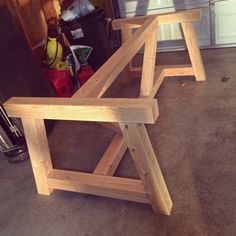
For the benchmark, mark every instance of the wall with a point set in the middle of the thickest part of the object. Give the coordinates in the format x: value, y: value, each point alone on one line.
x: 32, y: 17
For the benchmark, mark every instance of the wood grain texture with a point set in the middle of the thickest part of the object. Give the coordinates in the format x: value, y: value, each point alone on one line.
x: 126, y: 34
x: 168, y: 70
x: 112, y: 157
x: 115, y: 187
x: 167, y: 18
x: 86, y: 109
x: 147, y: 166
x: 194, y: 52
x: 37, y: 143
x: 149, y: 62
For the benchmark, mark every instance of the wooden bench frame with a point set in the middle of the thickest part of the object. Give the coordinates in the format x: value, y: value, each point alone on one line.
x: 127, y: 116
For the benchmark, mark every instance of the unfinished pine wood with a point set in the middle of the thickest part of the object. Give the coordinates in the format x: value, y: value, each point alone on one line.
x: 147, y: 166
x: 169, y: 70
x: 178, y: 70
x: 86, y: 109
x: 149, y: 61
x: 126, y: 34
x: 159, y: 77
x: 112, y: 157
x: 194, y: 52
x: 37, y: 143
x: 166, y: 18
x: 98, y: 84
x: 115, y: 187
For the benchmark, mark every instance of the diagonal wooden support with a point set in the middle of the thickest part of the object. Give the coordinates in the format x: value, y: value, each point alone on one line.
x: 112, y: 157
x: 147, y: 166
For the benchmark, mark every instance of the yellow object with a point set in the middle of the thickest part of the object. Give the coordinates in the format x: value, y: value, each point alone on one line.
x: 61, y: 65
x: 53, y: 52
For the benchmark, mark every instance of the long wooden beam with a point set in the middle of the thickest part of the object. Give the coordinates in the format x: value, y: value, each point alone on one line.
x: 98, y: 84
x: 149, y: 61
x: 167, y: 18
x: 86, y: 109
x: 126, y: 34
x: 115, y: 187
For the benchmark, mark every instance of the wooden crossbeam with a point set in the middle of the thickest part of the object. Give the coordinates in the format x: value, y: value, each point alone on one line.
x: 112, y: 157
x: 166, y: 18
x: 178, y: 70
x: 168, y: 70
x: 86, y: 109
x: 115, y: 187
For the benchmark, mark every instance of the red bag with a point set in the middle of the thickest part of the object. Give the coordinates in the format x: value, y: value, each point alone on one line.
x: 60, y: 81
x: 85, y: 73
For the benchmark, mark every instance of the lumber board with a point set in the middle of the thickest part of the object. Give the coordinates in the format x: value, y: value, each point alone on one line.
x: 178, y: 70
x: 37, y: 143
x: 166, y: 18
x: 169, y: 70
x: 149, y: 61
x: 86, y: 109
x: 194, y: 51
x: 159, y: 77
x: 98, y: 84
x: 126, y: 34
x: 114, y: 187
x: 112, y: 157
x: 147, y: 166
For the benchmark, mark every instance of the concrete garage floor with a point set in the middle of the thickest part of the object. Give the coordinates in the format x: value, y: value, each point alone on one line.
x: 195, y: 142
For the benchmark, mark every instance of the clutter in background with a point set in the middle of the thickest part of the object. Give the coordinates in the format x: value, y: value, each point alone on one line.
x: 77, y: 9
x: 12, y: 141
x: 77, y: 49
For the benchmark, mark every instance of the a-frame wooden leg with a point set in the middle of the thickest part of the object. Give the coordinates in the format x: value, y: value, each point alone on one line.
x: 194, y: 52
x: 37, y: 143
x: 126, y: 34
x: 147, y: 166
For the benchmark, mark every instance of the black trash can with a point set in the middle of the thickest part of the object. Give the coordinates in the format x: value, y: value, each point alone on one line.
x: 89, y: 30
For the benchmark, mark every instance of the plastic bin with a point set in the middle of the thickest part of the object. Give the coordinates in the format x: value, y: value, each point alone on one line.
x: 89, y: 30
